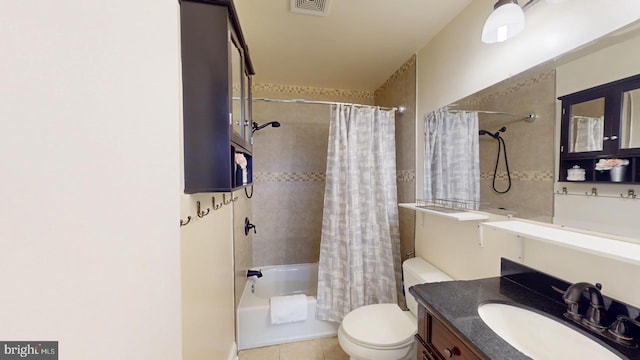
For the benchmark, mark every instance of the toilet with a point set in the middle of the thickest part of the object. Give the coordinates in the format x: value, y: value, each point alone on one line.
x: 384, y: 331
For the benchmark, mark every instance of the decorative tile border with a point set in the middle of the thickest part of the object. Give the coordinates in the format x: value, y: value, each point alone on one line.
x: 402, y: 176
x: 519, y: 175
x: 401, y: 70
x: 309, y: 90
x: 288, y: 177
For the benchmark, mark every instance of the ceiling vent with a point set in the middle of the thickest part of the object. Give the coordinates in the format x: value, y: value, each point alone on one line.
x: 310, y: 7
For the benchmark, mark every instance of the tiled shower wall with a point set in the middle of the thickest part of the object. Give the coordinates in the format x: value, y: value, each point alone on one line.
x: 400, y: 90
x: 290, y: 163
x: 529, y: 144
x: 289, y: 172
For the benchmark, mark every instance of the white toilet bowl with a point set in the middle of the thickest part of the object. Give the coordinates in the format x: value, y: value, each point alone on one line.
x: 384, y: 331
x: 378, y: 332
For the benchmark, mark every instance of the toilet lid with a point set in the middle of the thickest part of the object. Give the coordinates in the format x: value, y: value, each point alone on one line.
x: 380, y: 325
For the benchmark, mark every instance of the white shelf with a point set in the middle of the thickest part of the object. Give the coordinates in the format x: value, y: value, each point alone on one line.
x: 601, y: 246
x: 460, y: 216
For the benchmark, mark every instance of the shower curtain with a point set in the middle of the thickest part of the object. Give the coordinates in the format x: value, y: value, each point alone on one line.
x: 360, y: 245
x: 589, y: 132
x: 451, y: 161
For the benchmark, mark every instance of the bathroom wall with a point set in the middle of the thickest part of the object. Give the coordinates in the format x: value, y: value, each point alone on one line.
x: 207, y: 280
x: 289, y: 171
x: 242, y: 244
x: 90, y: 177
x: 400, y: 90
x: 529, y: 145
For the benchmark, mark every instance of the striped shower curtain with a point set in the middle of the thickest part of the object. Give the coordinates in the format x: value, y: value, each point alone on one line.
x: 360, y: 245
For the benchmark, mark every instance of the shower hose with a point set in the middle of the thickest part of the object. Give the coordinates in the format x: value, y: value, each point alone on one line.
x: 501, y: 146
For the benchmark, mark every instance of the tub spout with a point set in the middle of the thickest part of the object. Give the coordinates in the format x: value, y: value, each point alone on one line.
x: 256, y: 273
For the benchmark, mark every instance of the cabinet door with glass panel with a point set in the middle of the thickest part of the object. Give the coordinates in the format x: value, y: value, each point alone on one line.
x: 584, y: 126
x: 239, y: 117
x: 629, y: 129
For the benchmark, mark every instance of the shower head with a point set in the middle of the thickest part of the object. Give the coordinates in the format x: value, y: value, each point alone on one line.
x: 255, y: 127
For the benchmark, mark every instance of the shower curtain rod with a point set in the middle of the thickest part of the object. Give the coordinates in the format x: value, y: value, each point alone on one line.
x: 527, y: 118
x: 399, y: 109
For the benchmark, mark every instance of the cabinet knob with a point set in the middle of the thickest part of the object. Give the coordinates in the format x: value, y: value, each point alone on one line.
x: 614, y: 137
x: 449, y: 352
x: 605, y: 138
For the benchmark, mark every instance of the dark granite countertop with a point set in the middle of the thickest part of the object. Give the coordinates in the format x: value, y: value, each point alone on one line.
x: 456, y: 302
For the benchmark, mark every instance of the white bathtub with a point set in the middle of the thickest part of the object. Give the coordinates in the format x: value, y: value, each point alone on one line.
x: 254, y: 324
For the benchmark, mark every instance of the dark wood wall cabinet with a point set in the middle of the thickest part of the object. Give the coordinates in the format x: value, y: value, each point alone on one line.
x: 216, y: 81
x: 436, y: 341
x: 601, y: 127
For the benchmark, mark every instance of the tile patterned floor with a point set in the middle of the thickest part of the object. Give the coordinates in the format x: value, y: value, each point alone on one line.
x: 319, y: 349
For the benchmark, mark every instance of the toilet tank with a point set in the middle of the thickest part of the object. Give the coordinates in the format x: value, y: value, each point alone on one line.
x: 419, y: 271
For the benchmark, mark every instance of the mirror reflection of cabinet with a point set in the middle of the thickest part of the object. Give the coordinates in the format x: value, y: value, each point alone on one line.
x: 215, y: 71
x: 602, y: 123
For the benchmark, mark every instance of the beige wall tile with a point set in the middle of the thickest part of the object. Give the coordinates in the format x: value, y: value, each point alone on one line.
x: 399, y: 90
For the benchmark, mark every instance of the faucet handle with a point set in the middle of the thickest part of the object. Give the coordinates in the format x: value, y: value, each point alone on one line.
x: 622, y: 330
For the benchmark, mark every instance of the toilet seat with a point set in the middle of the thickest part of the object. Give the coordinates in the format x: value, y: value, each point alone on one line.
x: 379, y: 326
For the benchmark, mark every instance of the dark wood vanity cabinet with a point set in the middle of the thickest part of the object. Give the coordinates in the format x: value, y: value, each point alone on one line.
x: 437, y: 341
x: 216, y: 81
x: 602, y: 122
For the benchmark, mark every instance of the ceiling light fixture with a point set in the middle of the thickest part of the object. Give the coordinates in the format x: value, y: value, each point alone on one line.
x: 505, y: 22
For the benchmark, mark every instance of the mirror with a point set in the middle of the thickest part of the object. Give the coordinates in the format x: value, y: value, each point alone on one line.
x: 236, y: 90
x: 246, y: 110
x: 630, y: 126
x: 531, y: 146
x: 586, y: 128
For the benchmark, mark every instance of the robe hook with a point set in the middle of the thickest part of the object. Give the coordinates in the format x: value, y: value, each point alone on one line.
x: 214, y: 205
x: 631, y: 194
x: 183, y: 223
x: 201, y: 214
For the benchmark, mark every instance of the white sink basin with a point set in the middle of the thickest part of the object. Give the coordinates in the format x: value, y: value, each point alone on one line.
x: 538, y: 336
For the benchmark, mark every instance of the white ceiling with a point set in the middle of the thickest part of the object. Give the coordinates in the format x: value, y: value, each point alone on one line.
x: 357, y: 46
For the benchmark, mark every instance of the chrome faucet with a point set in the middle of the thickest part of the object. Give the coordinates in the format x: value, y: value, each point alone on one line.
x: 594, y: 317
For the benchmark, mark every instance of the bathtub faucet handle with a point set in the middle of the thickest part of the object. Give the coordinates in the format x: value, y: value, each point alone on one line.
x: 256, y: 273
x: 248, y: 226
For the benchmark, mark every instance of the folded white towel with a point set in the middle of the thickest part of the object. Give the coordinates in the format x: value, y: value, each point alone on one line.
x: 289, y: 308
